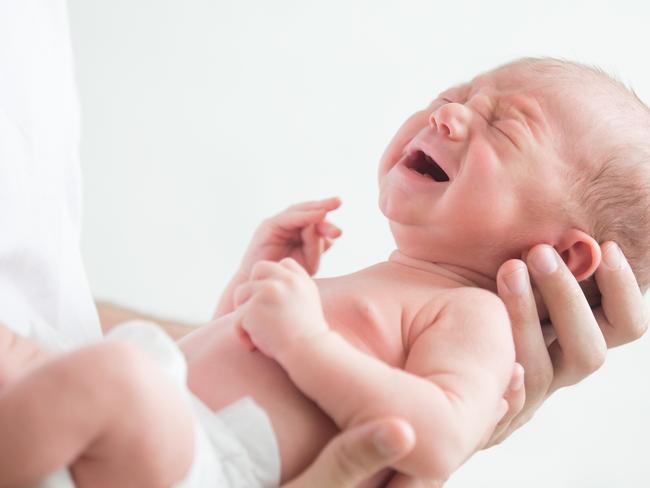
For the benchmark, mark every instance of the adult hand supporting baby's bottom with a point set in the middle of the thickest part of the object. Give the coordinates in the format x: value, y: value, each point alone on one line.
x: 357, y: 454
x: 577, y: 343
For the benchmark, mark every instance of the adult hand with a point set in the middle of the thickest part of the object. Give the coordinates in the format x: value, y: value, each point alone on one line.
x: 576, y: 344
x: 356, y: 454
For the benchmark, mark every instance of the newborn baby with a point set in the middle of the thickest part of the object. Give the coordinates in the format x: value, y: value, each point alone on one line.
x: 535, y: 151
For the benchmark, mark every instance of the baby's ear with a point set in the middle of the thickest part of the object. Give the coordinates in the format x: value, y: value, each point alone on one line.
x: 580, y: 252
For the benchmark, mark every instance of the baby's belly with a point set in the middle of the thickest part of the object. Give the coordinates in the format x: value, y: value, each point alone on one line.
x: 221, y: 370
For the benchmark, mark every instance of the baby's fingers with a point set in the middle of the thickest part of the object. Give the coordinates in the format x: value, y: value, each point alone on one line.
x: 292, y: 265
x: 237, y: 317
x: 327, y: 243
x: 623, y: 316
x: 313, y: 247
x: 327, y: 229
x: 292, y: 220
x: 327, y: 204
x: 267, y: 269
x: 244, y: 337
x: 242, y: 294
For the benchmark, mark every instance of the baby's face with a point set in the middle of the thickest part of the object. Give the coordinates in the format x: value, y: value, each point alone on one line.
x: 462, y: 176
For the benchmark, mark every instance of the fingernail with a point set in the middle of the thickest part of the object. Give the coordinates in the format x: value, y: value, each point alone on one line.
x: 613, y: 257
x: 544, y: 259
x: 387, y: 441
x: 516, y: 281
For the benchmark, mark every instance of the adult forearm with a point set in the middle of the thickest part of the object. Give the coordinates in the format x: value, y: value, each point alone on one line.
x: 111, y: 315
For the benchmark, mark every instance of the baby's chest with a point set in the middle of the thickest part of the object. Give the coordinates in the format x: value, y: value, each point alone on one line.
x: 369, y: 323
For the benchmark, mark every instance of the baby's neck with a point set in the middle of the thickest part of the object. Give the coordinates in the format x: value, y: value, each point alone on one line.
x: 464, y: 276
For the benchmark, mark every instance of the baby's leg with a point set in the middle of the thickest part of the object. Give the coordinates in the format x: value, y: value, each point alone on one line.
x: 106, y: 410
x: 17, y: 354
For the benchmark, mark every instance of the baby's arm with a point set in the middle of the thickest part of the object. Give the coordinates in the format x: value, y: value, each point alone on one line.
x: 455, y: 374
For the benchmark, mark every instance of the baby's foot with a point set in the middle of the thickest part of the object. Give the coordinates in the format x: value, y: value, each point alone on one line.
x: 16, y: 355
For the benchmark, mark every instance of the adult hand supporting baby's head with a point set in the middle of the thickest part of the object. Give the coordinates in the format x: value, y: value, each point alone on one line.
x: 580, y: 335
x: 579, y: 343
x: 357, y: 454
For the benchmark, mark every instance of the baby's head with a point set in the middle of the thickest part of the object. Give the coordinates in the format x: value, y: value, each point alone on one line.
x: 539, y: 150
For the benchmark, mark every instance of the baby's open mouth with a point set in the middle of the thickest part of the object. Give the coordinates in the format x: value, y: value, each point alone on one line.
x: 426, y: 166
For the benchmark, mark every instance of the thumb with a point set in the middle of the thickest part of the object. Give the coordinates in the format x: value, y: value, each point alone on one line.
x: 357, y: 454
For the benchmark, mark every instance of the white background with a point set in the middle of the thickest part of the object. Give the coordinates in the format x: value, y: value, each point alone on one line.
x: 201, y: 117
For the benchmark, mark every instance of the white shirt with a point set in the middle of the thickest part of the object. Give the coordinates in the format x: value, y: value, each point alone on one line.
x: 44, y: 292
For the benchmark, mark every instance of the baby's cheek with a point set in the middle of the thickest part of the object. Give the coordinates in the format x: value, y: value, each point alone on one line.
x: 492, y: 203
x: 491, y: 210
x: 485, y: 161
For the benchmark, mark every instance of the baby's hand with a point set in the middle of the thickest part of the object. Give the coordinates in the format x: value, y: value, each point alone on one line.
x: 300, y: 232
x: 278, y: 306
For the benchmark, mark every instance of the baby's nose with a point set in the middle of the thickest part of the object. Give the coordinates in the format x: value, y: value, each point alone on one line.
x: 451, y: 120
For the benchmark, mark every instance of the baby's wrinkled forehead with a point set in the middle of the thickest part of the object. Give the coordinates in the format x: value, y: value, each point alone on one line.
x: 506, y: 82
x: 513, y: 94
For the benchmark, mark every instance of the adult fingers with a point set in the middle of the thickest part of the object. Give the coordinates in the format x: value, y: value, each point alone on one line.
x: 580, y: 347
x: 357, y: 454
x: 513, y: 286
x: 623, y: 315
x: 515, y: 398
x: 400, y: 480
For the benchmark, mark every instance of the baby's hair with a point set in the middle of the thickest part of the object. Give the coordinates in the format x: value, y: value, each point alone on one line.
x: 611, y: 194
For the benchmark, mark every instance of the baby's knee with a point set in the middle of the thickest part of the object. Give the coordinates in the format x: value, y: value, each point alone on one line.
x: 121, y: 367
x: 111, y: 376
x: 140, y: 398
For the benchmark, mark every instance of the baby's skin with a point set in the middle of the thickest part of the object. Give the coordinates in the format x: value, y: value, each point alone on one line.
x: 420, y: 336
x: 390, y: 340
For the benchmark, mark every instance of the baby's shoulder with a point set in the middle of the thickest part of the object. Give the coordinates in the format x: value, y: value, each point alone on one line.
x: 475, y: 305
x: 467, y: 307
x: 462, y: 299
x: 468, y: 295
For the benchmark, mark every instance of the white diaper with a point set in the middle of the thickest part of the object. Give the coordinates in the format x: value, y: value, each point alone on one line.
x: 234, y: 447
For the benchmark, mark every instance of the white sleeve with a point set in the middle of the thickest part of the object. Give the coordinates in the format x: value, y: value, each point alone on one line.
x: 44, y: 292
